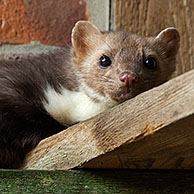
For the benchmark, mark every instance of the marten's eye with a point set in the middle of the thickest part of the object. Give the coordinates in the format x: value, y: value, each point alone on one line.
x: 150, y: 63
x: 104, y: 62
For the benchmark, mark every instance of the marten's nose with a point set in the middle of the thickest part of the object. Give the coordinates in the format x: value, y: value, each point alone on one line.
x: 128, y: 79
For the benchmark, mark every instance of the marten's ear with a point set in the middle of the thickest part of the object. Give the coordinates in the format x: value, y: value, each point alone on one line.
x: 85, y: 36
x: 169, y: 38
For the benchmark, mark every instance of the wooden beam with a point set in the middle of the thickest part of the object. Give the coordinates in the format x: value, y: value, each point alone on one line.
x: 153, y: 130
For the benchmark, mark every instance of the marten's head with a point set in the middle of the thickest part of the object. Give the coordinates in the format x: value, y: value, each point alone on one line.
x: 122, y: 65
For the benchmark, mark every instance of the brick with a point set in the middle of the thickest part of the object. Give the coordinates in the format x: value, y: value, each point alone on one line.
x: 47, y: 21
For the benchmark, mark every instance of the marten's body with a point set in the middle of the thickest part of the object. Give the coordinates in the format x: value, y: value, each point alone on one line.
x: 43, y: 95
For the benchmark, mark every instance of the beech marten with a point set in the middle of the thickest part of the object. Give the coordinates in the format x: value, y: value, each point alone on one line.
x: 42, y: 95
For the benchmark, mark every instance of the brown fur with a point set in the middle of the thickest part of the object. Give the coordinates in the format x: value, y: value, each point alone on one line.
x: 127, y: 52
x: 24, y: 120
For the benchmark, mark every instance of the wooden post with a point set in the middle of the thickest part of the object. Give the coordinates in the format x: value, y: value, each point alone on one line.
x: 153, y: 130
x: 148, y: 17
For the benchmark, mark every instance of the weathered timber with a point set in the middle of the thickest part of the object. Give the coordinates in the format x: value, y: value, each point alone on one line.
x: 148, y: 17
x: 97, y: 181
x: 154, y: 130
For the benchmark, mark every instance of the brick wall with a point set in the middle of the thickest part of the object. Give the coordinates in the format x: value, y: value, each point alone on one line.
x: 47, y: 21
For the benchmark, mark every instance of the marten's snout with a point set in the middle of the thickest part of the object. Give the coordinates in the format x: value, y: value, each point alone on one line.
x: 128, y: 79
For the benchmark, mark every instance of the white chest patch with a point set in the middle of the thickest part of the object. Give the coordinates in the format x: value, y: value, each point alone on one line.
x: 69, y: 107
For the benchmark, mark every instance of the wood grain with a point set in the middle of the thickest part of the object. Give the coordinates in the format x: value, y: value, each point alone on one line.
x: 148, y: 17
x: 153, y: 130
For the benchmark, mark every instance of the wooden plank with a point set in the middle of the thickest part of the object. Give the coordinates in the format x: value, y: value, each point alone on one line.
x: 97, y: 181
x: 150, y: 16
x: 171, y: 147
x: 153, y: 130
